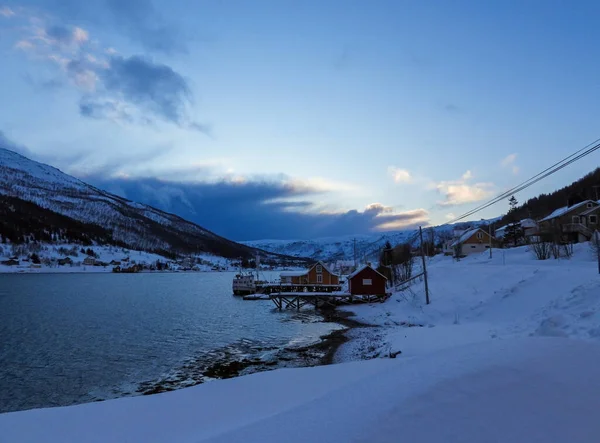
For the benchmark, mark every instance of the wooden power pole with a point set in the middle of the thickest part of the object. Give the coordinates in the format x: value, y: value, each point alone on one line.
x: 424, y: 267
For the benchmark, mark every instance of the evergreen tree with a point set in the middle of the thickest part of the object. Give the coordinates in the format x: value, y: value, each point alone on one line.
x: 513, y: 235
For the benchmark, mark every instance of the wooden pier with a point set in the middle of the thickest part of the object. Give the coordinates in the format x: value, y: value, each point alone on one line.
x: 319, y: 300
x: 271, y: 288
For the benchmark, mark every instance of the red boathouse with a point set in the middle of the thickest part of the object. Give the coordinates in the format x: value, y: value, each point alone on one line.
x: 367, y: 281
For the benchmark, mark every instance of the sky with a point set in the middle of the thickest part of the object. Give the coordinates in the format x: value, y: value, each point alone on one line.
x: 303, y: 119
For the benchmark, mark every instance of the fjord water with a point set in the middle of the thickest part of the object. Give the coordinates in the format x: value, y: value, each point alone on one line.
x: 74, y: 338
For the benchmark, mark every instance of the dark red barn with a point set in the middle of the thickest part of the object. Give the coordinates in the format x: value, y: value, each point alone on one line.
x: 367, y: 281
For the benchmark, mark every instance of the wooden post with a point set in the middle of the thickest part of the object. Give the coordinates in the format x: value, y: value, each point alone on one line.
x: 424, y: 267
x: 490, y: 234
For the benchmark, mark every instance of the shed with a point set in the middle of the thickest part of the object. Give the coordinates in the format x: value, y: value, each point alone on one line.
x: 367, y: 281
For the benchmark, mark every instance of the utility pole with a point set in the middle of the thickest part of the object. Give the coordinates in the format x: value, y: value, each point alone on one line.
x: 355, y: 267
x: 490, y: 234
x: 424, y: 267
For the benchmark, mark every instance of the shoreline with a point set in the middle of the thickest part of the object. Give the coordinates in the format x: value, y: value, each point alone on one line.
x: 320, y: 353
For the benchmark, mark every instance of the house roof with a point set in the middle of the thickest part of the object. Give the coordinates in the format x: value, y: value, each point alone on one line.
x: 324, y: 267
x: 467, y: 235
x: 293, y: 273
x: 591, y: 210
x: 525, y: 223
x: 362, y: 268
x: 565, y: 209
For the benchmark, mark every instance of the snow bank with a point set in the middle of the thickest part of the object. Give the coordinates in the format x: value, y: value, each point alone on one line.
x: 520, y: 390
x: 476, y: 299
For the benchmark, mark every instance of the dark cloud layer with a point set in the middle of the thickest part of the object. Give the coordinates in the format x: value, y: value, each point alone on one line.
x: 246, y: 211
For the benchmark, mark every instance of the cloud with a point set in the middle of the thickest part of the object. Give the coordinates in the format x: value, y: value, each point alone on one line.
x: 123, y: 89
x: 150, y: 86
x: 400, y: 175
x: 140, y: 21
x: 6, y: 143
x: 458, y: 192
x: 67, y: 36
x: 274, y: 208
x: 508, y: 162
x: 450, y: 216
x: 5, y: 11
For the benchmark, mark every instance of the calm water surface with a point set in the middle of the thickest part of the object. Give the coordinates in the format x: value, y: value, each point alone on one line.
x: 75, y: 338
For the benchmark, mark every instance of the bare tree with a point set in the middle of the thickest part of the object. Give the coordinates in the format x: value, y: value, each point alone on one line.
x: 402, y: 259
x: 542, y: 249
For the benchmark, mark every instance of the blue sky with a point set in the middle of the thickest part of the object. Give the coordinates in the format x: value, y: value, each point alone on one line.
x: 299, y: 119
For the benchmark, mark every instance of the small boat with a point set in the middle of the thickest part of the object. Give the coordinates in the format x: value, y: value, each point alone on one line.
x: 248, y: 282
x: 244, y: 283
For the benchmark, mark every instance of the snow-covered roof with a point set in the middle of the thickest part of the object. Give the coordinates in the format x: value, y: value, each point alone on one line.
x: 362, y: 268
x: 590, y: 211
x: 293, y: 273
x: 565, y: 209
x: 467, y: 235
x: 525, y: 223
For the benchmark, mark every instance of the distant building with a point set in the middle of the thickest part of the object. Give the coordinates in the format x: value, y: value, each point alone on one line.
x: 89, y: 261
x: 529, y: 226
x: 472, y: 241
x: 317, y: 274
x: 10, y: 262
x: 367, y: 281
x: 343, y: 267
x: 573, y: 223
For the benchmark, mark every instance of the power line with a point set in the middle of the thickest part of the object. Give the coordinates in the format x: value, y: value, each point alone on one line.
x: 536, y: 178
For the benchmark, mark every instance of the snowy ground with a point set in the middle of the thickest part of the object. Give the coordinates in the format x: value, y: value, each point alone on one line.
x: 478, y: 299
x: 508, y: 351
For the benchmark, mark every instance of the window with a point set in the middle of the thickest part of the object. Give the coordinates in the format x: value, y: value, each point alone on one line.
x: 593, y: 219
x: 319, y: 269
x: 576, y: 219
x: 480, y: 235
x: 367, y: 282
x: 319, y: 278
x: 589, y: 205
x: 473, y: 246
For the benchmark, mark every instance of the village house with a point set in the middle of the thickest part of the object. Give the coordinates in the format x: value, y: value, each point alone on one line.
x: 89, y: 261
x: 65, y: 261
x: 530, y: 229
x: 367, y: 281
x: 317, y: 274
x: 572, y: 223
x: 10, y: 262
x: 471, y: 241
x: 343, y: 267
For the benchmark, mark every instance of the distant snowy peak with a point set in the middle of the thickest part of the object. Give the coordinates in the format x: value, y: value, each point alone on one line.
x: 364, y: 247
x: 136, y: 225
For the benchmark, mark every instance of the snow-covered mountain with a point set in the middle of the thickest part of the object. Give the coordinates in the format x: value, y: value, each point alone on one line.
x: 367, y: 247
x: 126, y: 222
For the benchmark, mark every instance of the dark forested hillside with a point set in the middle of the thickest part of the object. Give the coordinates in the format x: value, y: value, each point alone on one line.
x: 586, y: 188
x: 22, y: 221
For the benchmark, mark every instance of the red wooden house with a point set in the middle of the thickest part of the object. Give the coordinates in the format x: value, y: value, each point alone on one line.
x: 367, y: 281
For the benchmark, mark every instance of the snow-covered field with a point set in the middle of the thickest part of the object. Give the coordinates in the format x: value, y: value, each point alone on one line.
x: 507, y: 351
x: 49, y: 255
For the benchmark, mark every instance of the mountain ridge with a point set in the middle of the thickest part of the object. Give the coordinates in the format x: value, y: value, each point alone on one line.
x: 129, y: 223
